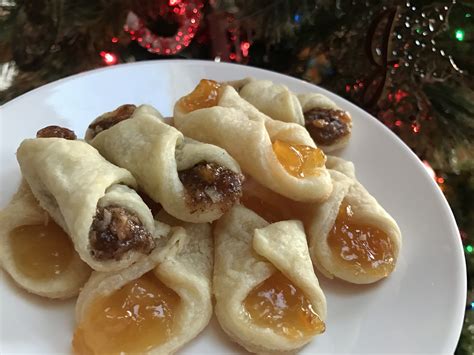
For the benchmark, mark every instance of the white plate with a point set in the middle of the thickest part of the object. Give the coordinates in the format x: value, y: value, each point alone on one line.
x: 419, y: 308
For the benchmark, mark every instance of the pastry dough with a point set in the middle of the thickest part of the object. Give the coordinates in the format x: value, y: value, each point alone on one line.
x: 165, y: 165
x: 329, y: 126
x: 183, y: 263
x: 366, y: 212
x: 23, y: 210
x: 343, y: 166
x: 248, y: 252
x: 109, y: 224
x: 247, y: 134
x: 274, y: 100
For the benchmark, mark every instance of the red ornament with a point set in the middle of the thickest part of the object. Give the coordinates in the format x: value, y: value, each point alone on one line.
x: 187, y: 14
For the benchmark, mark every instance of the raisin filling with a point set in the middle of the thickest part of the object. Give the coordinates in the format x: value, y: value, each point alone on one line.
x: 115, y: 231
x: 110, y: 119
x: 56, y: 132
x: 325, y: 126
x: 208, y: 184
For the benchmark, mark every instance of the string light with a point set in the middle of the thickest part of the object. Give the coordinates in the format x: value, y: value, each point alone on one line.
x: 415, y: 127
x: 459, y: 34
x: 108, y: 58
x: 400, y: 95
x: 469, y: 249
x: 244, y: 47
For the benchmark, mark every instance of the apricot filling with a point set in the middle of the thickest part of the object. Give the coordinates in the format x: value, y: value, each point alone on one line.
x: 133, y: 319
x: 41, y: 251
x: 206, y: 94
x: 278, y: 304
x: 299, y: 160
x: 367, y: 249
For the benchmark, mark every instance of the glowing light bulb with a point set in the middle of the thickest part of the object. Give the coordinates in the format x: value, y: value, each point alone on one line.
x: 244, y: 47
x: 459, y: 34
x: 108, y: 58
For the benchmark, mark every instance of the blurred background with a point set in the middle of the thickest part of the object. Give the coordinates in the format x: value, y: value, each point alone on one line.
x: 408, y: 63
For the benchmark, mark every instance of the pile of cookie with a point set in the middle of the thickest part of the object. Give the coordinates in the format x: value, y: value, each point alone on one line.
x: 226, y: 207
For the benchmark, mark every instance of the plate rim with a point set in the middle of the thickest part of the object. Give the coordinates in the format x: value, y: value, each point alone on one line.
x: 451, y: 345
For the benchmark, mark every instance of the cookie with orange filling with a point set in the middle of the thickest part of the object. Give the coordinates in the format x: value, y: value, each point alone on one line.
x: 36, y: 252
x: 351, y: 236
x: 156, y: 305
x: 268, y: 298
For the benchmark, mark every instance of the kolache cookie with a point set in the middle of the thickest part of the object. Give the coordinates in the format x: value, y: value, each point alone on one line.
x: 90, y: 199
x: 156, y: 305
x: 279, y: 155
x: 268, y: 298
x: 193, y: 181
x: 36, y: 252
x: 350, y: 235
x: 329, y: 126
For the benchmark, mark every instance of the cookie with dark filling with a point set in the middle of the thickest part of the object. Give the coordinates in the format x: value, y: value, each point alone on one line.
x: 192, y: 181
x: 328, y: 127
x: 209, y: 183
x: 91, y: 199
